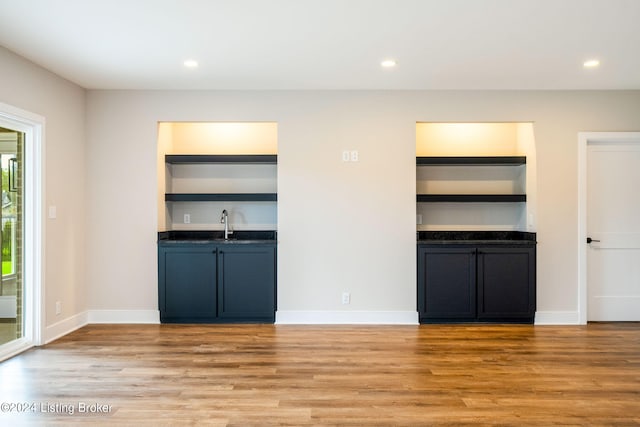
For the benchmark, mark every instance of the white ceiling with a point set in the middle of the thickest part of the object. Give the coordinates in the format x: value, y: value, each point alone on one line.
x: 329, y: 44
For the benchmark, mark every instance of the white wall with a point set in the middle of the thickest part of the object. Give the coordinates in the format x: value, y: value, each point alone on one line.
x: 342, y: 226
x: 29, y: 87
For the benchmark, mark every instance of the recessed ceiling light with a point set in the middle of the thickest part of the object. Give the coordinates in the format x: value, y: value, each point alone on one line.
x: 591, y: 63
x: 388, y: 63
x: 191, y: 63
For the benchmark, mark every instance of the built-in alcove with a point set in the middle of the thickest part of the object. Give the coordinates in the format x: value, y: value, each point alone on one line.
x: 205, y: 168
x: 475, y: 176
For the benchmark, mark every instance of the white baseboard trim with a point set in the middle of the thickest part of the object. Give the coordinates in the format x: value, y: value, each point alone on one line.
x: 64, y: 327
x: 124, y: 316
x: 13, y: 348
x: 557, y: 318
x: 70, y: 324
x: 291, y: 317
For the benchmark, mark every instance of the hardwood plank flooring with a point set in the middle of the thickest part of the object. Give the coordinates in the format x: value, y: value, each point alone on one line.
x: 243, y: 375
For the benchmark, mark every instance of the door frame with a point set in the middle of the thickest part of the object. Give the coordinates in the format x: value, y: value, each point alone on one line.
x: 584, y: 138
x: 33, y: 126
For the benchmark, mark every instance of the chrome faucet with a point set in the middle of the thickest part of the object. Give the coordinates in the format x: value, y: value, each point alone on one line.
x: 224, y: 219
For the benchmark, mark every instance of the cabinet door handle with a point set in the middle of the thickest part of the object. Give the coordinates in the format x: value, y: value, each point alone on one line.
x: 589, y: 240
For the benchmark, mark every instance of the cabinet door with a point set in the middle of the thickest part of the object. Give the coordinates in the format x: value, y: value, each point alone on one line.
x: 187, y: 279
x: 446, y: 283
x: 506, y: 283
x: 247, y: 283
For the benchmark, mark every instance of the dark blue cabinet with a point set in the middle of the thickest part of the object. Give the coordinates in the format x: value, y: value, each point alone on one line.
x: 468, y: 283
x: 188, y: 276
x: 247, y: 283
x: 215, y: 283
x: 506, y: 283
x: 447, y: 283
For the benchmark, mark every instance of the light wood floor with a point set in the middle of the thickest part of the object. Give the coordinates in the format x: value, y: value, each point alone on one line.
x: 241, y: 375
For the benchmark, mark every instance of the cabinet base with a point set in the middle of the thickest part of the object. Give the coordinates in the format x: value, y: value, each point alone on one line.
x: 265, y: 320
x: 524, y: 321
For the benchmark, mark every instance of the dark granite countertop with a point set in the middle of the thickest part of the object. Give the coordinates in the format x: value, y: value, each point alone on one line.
x: 217, y: 237
x: 476, y: 237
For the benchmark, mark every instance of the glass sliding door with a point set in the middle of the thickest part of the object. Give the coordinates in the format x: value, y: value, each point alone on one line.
x: 11, y: 222
x: 21, y: 226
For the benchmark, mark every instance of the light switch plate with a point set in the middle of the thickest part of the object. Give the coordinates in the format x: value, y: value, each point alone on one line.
x: 187, y: 218
x: 53, y: 212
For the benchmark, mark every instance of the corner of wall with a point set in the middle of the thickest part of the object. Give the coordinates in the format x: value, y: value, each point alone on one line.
x: 66, y: 326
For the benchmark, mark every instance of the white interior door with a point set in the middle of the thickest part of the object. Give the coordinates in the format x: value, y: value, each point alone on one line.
x: 613, y: 226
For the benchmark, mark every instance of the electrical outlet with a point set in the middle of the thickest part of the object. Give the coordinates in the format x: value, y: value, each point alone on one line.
x: 419, y: 219
x: 346, y: 298
x: 58, y: 308
x: 354, y: 155
x: 345, y: 156
x: 187, y: 218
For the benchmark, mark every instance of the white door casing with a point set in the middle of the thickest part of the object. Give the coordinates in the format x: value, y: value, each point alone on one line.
x: 608, y: 207
x: 32, y: 125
